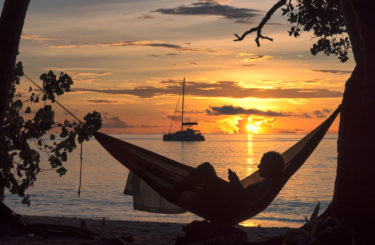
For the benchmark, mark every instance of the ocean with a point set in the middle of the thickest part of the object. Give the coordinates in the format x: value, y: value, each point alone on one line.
x: 103, y: 179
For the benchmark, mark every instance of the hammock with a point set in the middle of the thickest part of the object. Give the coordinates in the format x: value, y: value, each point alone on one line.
x: 220, y: 204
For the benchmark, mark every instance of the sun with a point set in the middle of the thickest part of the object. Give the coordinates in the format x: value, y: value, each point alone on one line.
x: 251, y: 127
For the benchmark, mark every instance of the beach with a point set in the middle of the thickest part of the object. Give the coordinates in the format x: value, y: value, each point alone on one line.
x: 122, y: 232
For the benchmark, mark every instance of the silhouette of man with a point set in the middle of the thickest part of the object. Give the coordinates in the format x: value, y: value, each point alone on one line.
x: 270, y: 168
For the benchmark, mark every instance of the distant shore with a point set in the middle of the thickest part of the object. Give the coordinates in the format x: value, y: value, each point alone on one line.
x: 122, y: 232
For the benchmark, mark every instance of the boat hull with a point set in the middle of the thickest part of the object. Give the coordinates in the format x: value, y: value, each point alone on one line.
x: 174, y: 137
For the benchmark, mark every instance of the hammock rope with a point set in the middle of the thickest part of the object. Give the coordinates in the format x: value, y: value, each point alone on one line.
x: 75, y: 117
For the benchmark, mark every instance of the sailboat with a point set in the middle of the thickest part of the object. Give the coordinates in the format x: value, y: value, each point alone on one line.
x: 188, y: 134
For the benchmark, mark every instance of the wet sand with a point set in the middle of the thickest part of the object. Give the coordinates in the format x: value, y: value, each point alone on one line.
x: 122, y: 232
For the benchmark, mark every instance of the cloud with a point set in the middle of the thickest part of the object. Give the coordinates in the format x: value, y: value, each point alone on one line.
x: 68, y: 69
x: 256, y: 58
x: 305, y: 115
x: 337, y: 72
x: 228, y: 89
x: 249, y: 57
x: 145, y: 17
x: 236, y: 110
x: 91, y: 74
x: 116, y: 122
x: 143, y: 43
x: 35, y: 37
x: 249, y: 65
x: 322, y: 113
x: 191, y: 63
x: 87, y: 77
x: 102, y: 101
x: 177, y: 116
x: 214, y: 8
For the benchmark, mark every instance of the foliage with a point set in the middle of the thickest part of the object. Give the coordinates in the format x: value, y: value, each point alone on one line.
x: 325, y: 19
x: 312, y: 223
x: 320, y: 231
x: 21, y: 137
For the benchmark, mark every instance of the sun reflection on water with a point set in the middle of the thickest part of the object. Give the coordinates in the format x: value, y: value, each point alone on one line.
x: 250, y: 155
x: 249, y: 223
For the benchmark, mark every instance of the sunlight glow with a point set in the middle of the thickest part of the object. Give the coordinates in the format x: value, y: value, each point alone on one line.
x: 252, y: 128
x: 249, y: 223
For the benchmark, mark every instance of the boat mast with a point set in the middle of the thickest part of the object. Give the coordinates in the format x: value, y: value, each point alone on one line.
x: 182, y: 109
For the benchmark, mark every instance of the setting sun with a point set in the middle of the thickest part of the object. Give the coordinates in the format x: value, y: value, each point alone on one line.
x: 251, y: 127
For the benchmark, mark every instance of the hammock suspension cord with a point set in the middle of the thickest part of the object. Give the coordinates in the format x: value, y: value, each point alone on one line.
x: 75, y: 117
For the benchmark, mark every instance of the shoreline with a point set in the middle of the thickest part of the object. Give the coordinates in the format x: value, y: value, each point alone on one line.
x: 123, y: 232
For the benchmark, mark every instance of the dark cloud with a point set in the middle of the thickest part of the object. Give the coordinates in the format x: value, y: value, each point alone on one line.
x: 249, y: 65
x: 145, y: 17
x: 178, y: 116
x: 170, y: 81
x: 338, y: 72
x: 240, y: 15
x: 322, y: 113
x: 236, y: 110
x: 306, y: 115
x: 244, y: 21
x: 116, y: 122
x: 160, y: 55
x: 164, y: 45
x: 226, y: 89
x: 102, y: 101
x: 146, y: 43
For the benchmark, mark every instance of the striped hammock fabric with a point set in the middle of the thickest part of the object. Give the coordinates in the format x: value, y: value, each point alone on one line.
x: 162, y: 176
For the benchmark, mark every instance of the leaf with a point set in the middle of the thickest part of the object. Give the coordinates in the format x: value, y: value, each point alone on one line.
x: 64, y: 157
x: 52, y: 137
x: 61, y: 171
x: 19, y: 69
x: 64, y: 132
x: 26, y: 200
x: 28, y: 110
x: 314, y: 220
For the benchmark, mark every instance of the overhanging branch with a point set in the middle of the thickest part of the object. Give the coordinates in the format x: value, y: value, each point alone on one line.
x: 259, y: 28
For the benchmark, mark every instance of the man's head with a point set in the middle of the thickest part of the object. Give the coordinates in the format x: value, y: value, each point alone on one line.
x: 271, y: 165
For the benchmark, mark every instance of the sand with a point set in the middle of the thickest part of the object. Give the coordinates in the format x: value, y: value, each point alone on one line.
x: 122, y: 232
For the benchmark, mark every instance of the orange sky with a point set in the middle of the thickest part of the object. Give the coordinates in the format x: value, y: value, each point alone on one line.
x: 128, y: 58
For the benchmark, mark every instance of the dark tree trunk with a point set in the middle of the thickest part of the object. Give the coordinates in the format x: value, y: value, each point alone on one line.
x: 354, y: 194
x: 11, y: 23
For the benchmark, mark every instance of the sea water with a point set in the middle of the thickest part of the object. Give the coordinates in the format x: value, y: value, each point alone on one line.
x: 103, y: 179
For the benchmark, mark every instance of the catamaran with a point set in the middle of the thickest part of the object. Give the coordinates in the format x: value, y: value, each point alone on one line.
x: 188, y: 134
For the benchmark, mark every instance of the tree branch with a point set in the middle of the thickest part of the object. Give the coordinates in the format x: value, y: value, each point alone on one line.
x: 259, y: 28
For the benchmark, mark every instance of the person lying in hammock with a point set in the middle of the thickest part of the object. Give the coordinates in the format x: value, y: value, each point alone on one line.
x: 270, y: 168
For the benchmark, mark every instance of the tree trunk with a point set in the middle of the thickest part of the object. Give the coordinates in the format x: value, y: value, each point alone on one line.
x: 354, y: 194
x: 11, y: 23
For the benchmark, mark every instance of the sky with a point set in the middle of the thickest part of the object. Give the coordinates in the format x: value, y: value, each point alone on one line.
x: 128, y: 57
